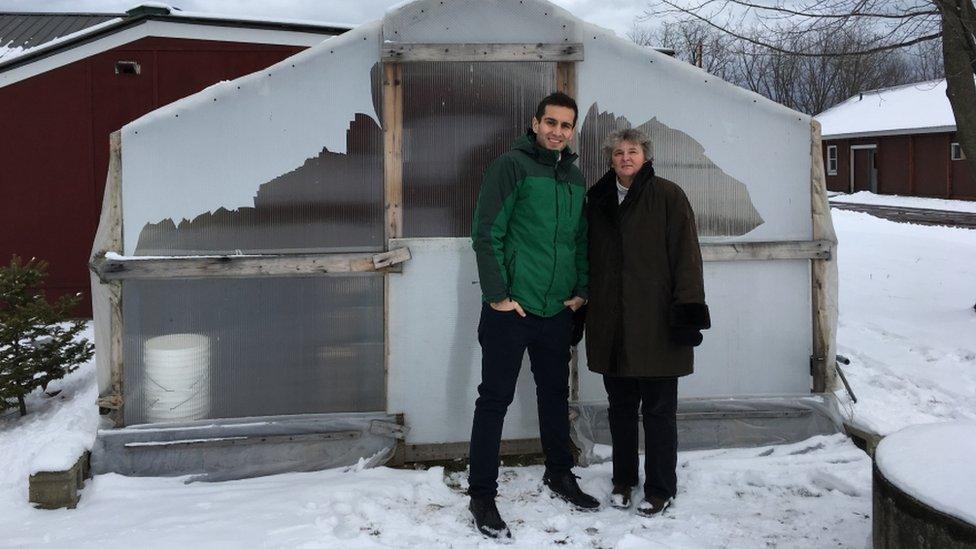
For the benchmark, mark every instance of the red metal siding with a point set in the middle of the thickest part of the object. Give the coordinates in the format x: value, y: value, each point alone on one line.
x: 892, y: 161
x: 931, y: 164
x: 841, y: 181
x: 46, y: 198
x: 58, y: 123
x: 962, y: 185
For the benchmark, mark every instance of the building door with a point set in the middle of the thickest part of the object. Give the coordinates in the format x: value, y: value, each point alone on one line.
x: 864, y: 171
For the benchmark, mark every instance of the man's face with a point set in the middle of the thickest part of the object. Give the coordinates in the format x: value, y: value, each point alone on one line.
x: 555, y: 130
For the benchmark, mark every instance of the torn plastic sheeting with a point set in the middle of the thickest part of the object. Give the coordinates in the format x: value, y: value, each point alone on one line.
x: 234, y: 136
x: 751, y: 139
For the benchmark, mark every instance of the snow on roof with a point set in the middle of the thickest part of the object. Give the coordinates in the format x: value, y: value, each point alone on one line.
x: 8, y: 52
x: 176, y: 12
x: 912, y: 108
x: 12, y: 53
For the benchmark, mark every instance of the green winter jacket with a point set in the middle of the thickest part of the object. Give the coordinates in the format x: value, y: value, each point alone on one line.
x: 528, y: 232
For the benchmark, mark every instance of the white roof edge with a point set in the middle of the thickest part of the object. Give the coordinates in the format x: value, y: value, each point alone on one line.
x: 162, y: 29
x: 886, y: 133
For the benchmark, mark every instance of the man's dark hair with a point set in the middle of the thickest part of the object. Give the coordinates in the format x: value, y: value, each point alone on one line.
x: 559, y: 99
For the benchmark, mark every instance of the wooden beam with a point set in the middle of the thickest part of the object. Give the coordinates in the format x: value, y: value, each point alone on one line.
x: 822, y: 359
x: 411, y: 53
x: 760, y: 251
x: 393, y: 149
x: 566, y: 78
x: 129, y: 268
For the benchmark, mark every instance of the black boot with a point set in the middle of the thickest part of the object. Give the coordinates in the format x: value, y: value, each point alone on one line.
x: 487, y: 519
x: 620, y: 496
x: 564, y: 485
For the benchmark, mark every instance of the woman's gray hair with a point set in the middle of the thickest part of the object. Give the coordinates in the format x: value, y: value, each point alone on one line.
x: 630, y: 135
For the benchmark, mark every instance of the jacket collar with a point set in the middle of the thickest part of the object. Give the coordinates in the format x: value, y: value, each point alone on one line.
x: 528, y: 145
x: 605, y: 190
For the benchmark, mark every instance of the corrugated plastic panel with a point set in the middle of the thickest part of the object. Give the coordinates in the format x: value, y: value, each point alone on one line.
x: 459, y: 117
x: 743, y: 161
x: 287, y: 159
x: 269, y: 346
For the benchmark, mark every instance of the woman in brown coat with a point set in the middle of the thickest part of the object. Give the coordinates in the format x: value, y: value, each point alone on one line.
x: 646, y: 312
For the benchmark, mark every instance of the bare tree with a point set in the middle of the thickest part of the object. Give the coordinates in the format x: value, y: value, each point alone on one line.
x: 791, y: 28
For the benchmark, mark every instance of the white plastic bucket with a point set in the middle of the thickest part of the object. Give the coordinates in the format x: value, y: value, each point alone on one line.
x: 177, y: 386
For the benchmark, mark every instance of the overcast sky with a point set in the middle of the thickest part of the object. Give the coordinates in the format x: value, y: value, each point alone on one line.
x: 614, y: 14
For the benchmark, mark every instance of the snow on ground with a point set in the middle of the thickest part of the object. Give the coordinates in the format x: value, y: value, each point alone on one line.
x: 907, y: 320
x: 907, y: 323
x: 811, y: 494
x: 54, y: 432
x: 946, y: 482
x: 867, y: 197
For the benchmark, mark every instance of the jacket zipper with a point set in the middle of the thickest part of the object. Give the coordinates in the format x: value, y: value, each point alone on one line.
x: 555, y: 235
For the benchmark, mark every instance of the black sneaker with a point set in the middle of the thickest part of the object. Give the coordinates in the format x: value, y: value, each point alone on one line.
x: 620, y: 496
x: 487, y: 519
x: 565, y: 486
x: 652, y: 506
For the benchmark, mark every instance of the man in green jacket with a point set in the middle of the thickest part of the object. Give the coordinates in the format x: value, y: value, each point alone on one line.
x: 529, y: 236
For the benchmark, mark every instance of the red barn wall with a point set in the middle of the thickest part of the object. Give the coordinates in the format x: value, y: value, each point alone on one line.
x: 909, y: 165
x: 57, y: 126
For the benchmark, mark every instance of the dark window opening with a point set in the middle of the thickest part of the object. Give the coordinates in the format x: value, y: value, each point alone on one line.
x: 955, y: 152
x: 127, y: 67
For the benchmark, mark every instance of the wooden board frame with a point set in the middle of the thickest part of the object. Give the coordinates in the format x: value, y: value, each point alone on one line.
x: 821, y: 364
x: 763, y: 251
x: 232, y: 266
x: 392, y: 52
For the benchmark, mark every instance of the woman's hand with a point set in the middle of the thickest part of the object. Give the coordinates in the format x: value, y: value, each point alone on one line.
x: 575, y: 303
x: 506, y: 305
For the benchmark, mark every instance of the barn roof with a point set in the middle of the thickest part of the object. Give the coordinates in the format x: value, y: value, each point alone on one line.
x: 912, y: 108
x: 23, y: 31
x: 26, y: 38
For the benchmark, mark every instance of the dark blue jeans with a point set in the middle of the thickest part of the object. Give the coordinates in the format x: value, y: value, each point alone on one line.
x: 657, y: 400
x: 504, y: 338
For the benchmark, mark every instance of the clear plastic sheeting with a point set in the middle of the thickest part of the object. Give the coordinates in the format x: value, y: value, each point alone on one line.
x: 266, y: 346
x: 480, y: 21
x: 232, y: 449
x: 288, y: 159
x: 457, y: 118
x: 722, y: 423
x: 733, y: 151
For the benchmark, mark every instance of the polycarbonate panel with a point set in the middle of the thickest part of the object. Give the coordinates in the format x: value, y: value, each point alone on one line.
x: 266, y: 346
x: 721, y: 203
x: 288, y: 159
x: 332, y: 202
x: 743, y: 160
x: 458, y: 117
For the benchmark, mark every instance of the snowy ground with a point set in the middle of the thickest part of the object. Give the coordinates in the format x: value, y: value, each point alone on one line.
x: 866, y: 197
x: 907, y: 323
x: 907, y: 320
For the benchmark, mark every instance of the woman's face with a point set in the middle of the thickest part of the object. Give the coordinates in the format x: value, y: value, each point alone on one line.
x: 627, y: 159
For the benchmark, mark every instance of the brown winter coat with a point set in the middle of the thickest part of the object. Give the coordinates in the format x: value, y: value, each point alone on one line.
x: 646, y: 287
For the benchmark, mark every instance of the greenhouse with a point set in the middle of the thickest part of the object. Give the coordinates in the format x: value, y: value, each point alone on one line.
x: 283, y: 270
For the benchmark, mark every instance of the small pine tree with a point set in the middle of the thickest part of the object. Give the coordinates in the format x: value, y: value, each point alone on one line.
x: 36, y: 346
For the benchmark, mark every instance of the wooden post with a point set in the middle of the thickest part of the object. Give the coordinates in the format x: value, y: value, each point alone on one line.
x: 392, y: 183
x: 108, y: 238
x: 393, y: 149
x: 566, y: 78
x: 822, y: 363
x: 566, y: 83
